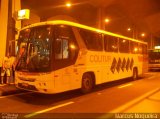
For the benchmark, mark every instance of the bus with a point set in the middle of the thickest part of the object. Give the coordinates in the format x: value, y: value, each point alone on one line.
x: 154, y: 58
x: 57, y: 56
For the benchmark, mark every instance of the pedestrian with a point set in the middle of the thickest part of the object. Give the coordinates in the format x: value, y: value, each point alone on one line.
x: 12, y: 70
x: 6, y: 69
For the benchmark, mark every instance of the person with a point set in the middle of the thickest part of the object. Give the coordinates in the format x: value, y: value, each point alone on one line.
x: 33, y: 59
x: 15, y: 62
x: 6, y: 69
x: 65, y: 52
x: 12, y: 70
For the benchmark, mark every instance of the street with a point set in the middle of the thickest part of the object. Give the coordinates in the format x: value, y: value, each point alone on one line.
x: 104, y: 99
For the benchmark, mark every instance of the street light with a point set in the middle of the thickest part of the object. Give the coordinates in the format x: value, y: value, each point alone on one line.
x: 68, y: 4
x: 107, y: 20
x: 132, y: 31
x: 129, y: 29
x: 143, y: 34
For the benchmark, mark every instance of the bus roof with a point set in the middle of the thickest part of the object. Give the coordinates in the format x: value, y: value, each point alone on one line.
x: 55, y: 22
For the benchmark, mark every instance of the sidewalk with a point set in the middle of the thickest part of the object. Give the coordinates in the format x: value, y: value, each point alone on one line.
x: 150, y: 104
x: 147, y: 103
x: 146, y: 106
x: 6, y: 89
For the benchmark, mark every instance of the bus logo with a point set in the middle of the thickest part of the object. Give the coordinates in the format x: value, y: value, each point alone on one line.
x: 121, y: 65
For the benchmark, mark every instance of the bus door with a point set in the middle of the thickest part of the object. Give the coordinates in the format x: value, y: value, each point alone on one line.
x: 65, y: 53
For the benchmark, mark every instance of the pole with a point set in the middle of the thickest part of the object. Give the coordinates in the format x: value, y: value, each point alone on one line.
x: 101, y: 13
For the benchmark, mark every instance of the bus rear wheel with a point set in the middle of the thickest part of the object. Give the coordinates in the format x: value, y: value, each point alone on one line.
x: 87, y: 83
x: 135, y: 74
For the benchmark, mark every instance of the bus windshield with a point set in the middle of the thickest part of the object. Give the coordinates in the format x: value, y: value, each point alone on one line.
x: 154, y: 54
x: 34, y: 49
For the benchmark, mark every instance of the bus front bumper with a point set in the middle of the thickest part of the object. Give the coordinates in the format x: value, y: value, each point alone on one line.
x: 154, y: 66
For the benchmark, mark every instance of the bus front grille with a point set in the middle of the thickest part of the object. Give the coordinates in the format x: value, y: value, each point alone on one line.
x: 28, y: 87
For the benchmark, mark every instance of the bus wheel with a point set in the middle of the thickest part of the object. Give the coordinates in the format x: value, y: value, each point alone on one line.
x: 135, y: 74
x: 87, y: 83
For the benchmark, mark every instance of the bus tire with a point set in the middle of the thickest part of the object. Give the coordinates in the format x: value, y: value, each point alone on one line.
x: 87, y: 83
x: 135, y: 74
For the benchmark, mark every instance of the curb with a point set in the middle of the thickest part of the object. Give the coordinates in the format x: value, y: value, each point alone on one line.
x: 9, y: 89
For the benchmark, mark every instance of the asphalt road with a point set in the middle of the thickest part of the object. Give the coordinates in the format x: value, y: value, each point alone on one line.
x: 103, y: 99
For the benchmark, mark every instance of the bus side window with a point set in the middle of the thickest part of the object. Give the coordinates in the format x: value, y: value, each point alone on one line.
x: 134, y: 47
x: 111, y: 43
x: 123, y: 46
x: 105, y: 43
x: 140, y: 48
x: 144, y: 49
x: 92, y: 40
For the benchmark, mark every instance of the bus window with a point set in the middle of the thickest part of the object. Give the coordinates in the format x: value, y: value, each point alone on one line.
x: 105, y: 43
x: 123, y: 46
x: 35, y: 56
x: 111, y: 44
x: 65, y: 47
x: 154, y: 59
x: 64, y: 37
x: 140, y: 48
x: 23, y: 38
x: 39, y: 48
x: 144, y: 49
x: 93, y: 40
x: 61, y: 48
x: 133, y: 47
